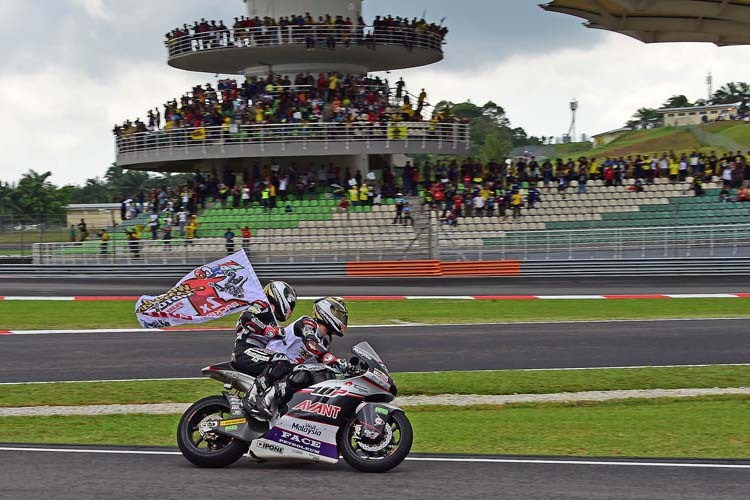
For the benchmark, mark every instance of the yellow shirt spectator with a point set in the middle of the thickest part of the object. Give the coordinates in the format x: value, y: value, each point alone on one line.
x: 363, y: 192
x: 353, y: 194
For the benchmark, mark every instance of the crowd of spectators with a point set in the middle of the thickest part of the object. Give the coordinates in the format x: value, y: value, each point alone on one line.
x: 325, y: 31
x: 455, y: 188
x: 327, y: 97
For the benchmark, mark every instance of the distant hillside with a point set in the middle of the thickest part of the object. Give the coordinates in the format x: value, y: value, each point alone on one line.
x: 719, y: 137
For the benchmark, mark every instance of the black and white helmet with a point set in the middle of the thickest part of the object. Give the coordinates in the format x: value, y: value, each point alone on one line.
x: 333, y: 313
x: 282, y: 297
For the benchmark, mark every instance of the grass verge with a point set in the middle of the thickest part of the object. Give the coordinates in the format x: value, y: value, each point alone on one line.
x: 713, y: 427
x: 119, y: 314
x: 490, y: 383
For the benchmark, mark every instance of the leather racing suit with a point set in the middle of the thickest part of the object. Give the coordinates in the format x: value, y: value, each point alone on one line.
x: 303, y: 342
x: 255, y: 328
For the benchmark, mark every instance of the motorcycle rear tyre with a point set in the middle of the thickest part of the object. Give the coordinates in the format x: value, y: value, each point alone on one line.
x: 213, y: 460
x: 386, y: 464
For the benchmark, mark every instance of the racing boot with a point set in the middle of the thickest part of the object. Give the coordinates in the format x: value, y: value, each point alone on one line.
x: 250, y: 401
x: 264, y: 403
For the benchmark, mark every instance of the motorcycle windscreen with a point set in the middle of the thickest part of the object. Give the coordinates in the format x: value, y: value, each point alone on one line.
x: 366, y: 353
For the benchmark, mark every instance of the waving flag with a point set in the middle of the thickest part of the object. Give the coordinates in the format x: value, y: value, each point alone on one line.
x: 220, y: 288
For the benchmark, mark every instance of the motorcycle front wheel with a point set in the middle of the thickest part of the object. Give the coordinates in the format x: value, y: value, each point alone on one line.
x: 198, y: 444
x: 381, y: 456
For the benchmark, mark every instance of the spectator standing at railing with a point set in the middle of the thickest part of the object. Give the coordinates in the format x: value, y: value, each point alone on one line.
x: 582, y: 180
x: 134, y: 244
x: 82, y: 229
x: 246, y: 235
x: 407, y: 215
x: 229, y: 240
x: 103, y: 241
x: 399, y: 206
x: 516, y: 204
x: 182, y: 217
x: 167, y: 234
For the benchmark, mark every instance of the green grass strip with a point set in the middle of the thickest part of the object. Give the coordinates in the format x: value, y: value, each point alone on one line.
x: 714, y: 427
x: 477, y: 382
x: 34, y: 315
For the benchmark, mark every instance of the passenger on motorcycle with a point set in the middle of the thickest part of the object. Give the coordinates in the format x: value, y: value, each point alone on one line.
x: 258, y: 325
x: 307, y: 340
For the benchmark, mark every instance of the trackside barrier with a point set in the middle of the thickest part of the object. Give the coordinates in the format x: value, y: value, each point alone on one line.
x: 408, y: 268
x: 482, y: 268
x: 423, y: 268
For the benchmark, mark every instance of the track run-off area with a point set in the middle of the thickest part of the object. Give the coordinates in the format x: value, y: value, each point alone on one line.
x: 74, y: 472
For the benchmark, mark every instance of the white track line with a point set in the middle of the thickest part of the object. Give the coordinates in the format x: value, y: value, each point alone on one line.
x: 387, y: 325
x: 482, y: 371
x: 697, y: 465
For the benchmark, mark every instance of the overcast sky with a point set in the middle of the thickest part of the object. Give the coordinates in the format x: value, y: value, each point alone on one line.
x: 72, y: 68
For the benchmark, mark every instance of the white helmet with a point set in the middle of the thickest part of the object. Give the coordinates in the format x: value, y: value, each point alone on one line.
x: 333, y: 313
x: 282, y: 297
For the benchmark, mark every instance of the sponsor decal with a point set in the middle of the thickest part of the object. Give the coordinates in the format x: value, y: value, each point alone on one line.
x: 301, y: 443
x: 234, y: 421
x: 323, y: 409
x: 230, y: 428
x: 308, y: 428
x: 271, y: 447
x: 379, y: 421
x: 290, y: 438
x: 382, y: 411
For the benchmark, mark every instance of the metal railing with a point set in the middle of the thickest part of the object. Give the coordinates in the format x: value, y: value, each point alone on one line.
x: 262, y: 249
x: 311, y: 36
x: 453, y: 135
x: 704, y: 241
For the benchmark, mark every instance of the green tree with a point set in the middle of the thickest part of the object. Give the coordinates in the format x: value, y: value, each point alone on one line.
x: 732, y: 92
x: 644, y: 118
x: 677, y: 101
x: 35, y: 196
x: 495, y: 148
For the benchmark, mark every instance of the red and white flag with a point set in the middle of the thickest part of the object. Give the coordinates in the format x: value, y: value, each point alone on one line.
x: 212, y: 291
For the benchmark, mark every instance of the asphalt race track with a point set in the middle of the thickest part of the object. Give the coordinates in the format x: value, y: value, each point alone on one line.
x: 75, y: 476
x: 28, y: 286
x: 103, y: 356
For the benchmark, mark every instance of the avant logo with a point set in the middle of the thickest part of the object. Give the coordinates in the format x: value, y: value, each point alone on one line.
x: 326, y: 410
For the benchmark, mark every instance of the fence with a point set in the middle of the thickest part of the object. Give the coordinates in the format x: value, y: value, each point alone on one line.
x: 544, y: 269
x: 426, y: 242
x: 450, y: 135
x: 312, y: 36
x: 705, y: 241
x: 18, y: 233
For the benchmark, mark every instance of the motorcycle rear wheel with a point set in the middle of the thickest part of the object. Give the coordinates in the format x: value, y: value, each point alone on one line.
x: 220, y: 451
x: 396, y: 450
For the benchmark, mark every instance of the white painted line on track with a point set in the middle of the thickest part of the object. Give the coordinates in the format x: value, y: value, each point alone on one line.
x: 630, y: 463
x: 571, y: 297
x: 701, y: 296
x: 19, y: 297
x: 387, y: 325
x: 440, y: 297
x: 429, y: 372
x: 697, y: 465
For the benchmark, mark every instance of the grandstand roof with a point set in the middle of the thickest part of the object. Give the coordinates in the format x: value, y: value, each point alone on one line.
x: 723, y: 22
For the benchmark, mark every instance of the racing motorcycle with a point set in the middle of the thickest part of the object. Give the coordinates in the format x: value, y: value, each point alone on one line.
x: 342, y: 414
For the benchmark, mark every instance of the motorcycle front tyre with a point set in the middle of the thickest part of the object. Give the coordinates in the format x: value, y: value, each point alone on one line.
x: 384, y: 464
x: 224, y: 457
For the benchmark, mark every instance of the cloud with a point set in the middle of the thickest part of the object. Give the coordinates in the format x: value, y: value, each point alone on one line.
x: 96, y: 9
x: 83, y: 65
